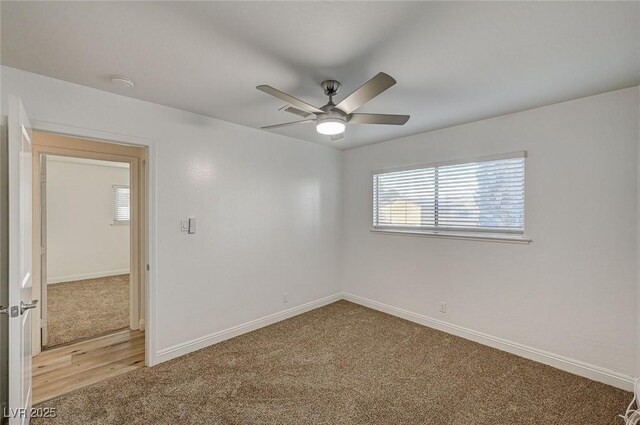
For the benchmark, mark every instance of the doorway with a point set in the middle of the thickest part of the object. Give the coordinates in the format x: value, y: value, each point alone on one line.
x: 89, y: 231
x: 85, y: 208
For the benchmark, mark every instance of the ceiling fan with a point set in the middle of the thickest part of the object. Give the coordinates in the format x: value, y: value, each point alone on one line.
x: 331, y: 119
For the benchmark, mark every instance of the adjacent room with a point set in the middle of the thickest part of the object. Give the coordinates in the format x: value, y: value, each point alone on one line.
x: 87, y: 254
x: 320, y: 212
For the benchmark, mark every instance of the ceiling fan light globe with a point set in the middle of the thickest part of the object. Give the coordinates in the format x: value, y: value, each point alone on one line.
x: 330, y: 127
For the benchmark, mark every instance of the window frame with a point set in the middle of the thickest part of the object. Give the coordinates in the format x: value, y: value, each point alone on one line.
x: 482, y: 234
x: 114, y: 208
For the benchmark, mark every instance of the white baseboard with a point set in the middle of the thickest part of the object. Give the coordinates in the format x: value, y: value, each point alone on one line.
x: 576, y: 367
x: 216, y: 337
x: 83, y: 276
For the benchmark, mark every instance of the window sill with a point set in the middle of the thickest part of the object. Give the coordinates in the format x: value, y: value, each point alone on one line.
x: 120, y: 223
x: 487, y: 237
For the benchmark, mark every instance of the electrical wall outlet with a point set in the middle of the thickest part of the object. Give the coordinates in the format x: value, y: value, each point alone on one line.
x: 285, y: 298
x: 443, y: 307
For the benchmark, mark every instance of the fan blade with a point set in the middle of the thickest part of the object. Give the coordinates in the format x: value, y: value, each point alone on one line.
x: 295, y: 111
x: 290, y: 100
x: 378, y: 119
x: 286, y: 124
x: 337, y: 136
x: 366, y: 92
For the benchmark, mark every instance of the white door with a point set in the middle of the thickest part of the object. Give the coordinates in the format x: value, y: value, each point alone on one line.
x: 20, y: 282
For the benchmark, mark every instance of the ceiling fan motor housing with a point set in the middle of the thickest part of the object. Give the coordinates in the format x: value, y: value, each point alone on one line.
x: 331, y: 113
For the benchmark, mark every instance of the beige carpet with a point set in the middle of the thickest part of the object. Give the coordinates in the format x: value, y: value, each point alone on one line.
x: 344, y: 364
x: 87, y: 308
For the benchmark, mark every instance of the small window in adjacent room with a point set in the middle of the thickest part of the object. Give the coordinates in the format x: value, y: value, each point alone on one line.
x: 121, y: 205
x: 475, y: 198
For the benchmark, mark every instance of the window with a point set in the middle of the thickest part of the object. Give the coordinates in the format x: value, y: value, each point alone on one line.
x: 121, y: 204
x: 453, y: 198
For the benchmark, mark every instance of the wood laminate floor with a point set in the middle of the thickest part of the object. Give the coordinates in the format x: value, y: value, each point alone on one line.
x: 60, y: 370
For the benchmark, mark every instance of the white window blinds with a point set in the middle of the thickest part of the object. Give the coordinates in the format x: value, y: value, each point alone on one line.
x: 480, y: 196
x: 121, y: 204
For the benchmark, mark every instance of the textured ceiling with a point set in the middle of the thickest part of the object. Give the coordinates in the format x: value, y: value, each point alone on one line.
x: 455, y: 62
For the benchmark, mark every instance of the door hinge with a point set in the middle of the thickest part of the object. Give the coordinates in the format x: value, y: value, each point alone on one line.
x: 43, y: 250
x: 148, y: 267
x: 15, y: 311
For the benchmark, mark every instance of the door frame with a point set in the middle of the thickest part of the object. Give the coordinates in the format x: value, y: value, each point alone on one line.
x: 39, y: 179
x: 65, y: 139
x: 45, y: 144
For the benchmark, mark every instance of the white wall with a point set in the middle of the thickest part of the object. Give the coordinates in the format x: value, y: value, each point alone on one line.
x: 572, y: 291
x: 82, y: 241
x: 267, y: 207
x: 270, y: 221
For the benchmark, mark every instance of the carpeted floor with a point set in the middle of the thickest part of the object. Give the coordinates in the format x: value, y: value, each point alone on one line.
x: 344, y: 364
x: 87, y: 308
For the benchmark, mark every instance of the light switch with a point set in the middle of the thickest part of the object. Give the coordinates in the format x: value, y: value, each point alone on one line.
x: 192, y: 226
x: 184, y: 225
